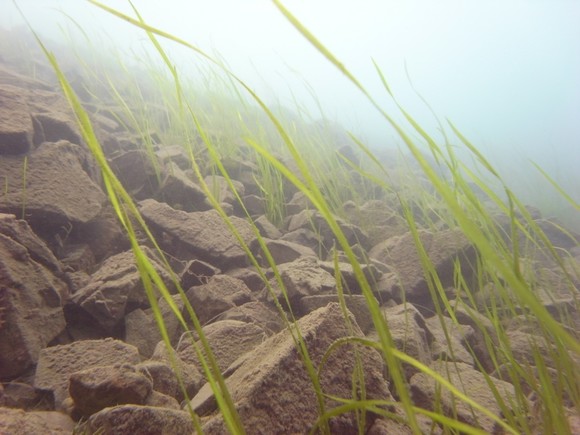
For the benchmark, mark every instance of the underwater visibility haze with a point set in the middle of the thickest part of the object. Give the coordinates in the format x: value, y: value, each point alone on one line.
x: 301, y: 216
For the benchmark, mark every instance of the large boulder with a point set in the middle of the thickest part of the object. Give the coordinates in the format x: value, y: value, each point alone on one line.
x: 271, y: 388
x: 31, y: 297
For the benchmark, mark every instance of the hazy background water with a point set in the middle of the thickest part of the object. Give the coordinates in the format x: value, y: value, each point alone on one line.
x: 506, y: 73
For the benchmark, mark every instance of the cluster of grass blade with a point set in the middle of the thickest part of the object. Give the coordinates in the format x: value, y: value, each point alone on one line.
x: 201, y: 126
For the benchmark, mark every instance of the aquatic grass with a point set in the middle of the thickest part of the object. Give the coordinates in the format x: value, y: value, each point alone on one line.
x: 499, y: 254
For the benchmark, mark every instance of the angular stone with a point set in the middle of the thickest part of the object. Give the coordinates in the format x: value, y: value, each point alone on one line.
x: 190, y: 376
x: 283, y: 251
x: 135, y: 419
x: 453, y: 349
x: 302, y: 277
x: 99, y: 387
x: 228, y: 339
x: 31, y: 296
x: 313, y: 220
x: 57, y: 363
x: 50, y: 197
x: 410, y: 334
x: 142, y: 331
x: 356, y: 304
x: 426, y: 393
x: 271, y: 388
x: 443, y: 248
x: 19, y: 422
x: 221, y: 293
x: 181, y: 193
x: 56, y: 126
x: 16, y: 129
x: 200, y: 234
x: 257, y: 313
x: 114, y: 288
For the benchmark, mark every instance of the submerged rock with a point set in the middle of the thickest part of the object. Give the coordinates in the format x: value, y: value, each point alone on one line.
x: 31, y: 298
x: 272, y: 391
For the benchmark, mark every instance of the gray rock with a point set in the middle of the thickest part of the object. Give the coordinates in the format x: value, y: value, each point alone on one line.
x: 180, y: 192
x: 142, y: 330
x: 283, y: 251
x: 453, y: 349
x: 356, y: 304
x: 410, y: 334
x: 256, y: 313
x: 313, y: 220
x: 192, y: 379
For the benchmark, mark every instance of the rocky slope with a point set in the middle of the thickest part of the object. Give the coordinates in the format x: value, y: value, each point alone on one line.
x: 78, y: 338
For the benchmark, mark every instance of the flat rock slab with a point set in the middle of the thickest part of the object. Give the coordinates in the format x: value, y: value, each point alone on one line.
x: 272, y: 391
x: 201, y: 234
x: 56, y: 364
x: 31, y: 296
x: 50, y: 186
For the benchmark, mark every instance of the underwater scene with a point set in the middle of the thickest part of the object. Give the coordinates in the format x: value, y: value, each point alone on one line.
x: 289, y: 217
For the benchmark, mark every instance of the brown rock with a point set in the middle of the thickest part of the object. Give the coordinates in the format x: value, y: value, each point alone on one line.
x: 31, y: 296
x: 426, y: 393
x: 19, y: 422
x: 228, y: 339
x: 443, y: 249
x: 199, y: 234
x: 99, y: 387
x: 221, y: 293
x: 57, y: 363
x: 50, y: 198
x: 274, y: 394
x: 115, y: 287
x: 16, y: 128
x: 143, y: 420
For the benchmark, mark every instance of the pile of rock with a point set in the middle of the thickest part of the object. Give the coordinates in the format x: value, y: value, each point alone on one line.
x: 78, y: 337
